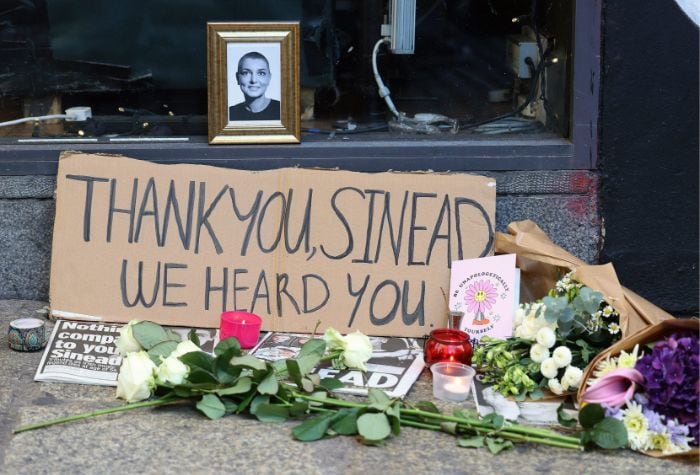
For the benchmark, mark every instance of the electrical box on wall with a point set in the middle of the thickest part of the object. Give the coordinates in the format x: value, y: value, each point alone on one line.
x: 518, y: 48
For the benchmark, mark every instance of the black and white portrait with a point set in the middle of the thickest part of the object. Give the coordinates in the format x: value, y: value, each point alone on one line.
x: 254, y: 86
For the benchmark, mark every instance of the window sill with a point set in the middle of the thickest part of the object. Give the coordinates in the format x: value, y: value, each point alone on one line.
x: 370, y: 153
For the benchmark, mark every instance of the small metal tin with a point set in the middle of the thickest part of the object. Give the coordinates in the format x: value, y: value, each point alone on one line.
x: 27, y: 334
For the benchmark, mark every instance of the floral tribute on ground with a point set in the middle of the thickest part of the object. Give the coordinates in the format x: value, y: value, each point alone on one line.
x: 553, y: 340
x: 654, y: 392
x: 159, y: 369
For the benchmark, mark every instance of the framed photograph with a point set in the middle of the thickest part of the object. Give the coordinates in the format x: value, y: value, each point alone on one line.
x: 253, y: 83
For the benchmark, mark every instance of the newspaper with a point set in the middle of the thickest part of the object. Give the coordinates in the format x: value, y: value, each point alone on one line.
x: 395, y: 365
x: 85, y: 352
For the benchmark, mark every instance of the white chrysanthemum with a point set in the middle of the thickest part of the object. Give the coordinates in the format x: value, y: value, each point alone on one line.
x: 614, y: 328
x: 538, y: 353
x: 628, y: 360
x: 546, y: 337
x: 562, y: 356
x: 548, y: 368
x: 603, y: 367
x: 555, y: 386
x: 572, y: 377
x: 637, y: 426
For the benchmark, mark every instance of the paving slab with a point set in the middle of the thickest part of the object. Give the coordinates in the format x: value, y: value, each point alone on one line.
x: 179, y: 439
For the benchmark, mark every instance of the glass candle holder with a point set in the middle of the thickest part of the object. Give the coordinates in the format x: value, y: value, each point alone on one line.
x: 447, y: 345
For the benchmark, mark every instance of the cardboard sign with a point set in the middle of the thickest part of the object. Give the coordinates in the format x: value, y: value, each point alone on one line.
x: 178, y: 244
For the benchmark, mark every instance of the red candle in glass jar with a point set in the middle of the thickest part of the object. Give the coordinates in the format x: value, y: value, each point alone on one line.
x: 447, y: 344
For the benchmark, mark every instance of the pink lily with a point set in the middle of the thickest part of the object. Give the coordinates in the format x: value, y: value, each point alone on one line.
x: 615, y: 388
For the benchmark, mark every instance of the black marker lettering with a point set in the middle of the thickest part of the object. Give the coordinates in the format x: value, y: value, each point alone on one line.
x: 236, y: 288
x: 444, y: 211
x: 261, y: 218
x: 379, y: 321
x: 386, y: 218
x: 87, y: 212
x: 344, y: 221
x: 185, y: 231
x: 150, y: 191
x: 305, y: 281
x: 305, y: 224
x: 282, y: 280
x: 370, y: 219
x: 203, y: 217
x: 489, y: 226
x: 418, y: 313
x: 167, y: 284
x: 257, y: 294
x: 209, y: 288
x: 252, y: 214
x: 139, y: 286
x: 358, y: 296
x: 413, y: 228
x: 131, y: 211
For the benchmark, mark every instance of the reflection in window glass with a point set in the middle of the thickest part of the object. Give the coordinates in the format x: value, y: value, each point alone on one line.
x: 141, y: 66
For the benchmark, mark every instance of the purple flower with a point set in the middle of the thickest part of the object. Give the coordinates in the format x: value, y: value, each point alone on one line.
x: 654, y: 420
x: 671, y: 381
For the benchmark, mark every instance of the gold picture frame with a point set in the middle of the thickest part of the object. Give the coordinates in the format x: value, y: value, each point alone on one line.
x: 253, y: 83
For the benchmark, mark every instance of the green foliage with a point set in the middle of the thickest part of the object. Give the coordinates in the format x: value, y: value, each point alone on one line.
x: 150, y: 334
x: 226, y: 345
x: 497, y: 445
x: 601, y: 431
x: 564, y: 418
x: 373, y: 427
x: 161, y: 350
x: 211, y: 406
x: 473, y: 442
x: 192, y: 336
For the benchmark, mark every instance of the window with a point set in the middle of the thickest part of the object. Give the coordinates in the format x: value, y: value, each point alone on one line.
x: 141, y: 68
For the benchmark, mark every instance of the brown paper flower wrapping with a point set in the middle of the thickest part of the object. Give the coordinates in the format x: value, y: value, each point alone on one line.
x: 650, y: 334
x: 542, y: 263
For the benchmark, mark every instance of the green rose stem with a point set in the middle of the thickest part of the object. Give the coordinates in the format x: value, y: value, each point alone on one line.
x: 514, y: 432
x: 99, y: 412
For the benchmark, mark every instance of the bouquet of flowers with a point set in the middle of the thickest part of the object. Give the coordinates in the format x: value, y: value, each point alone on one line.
x: 653, y: 389
x: 553, y: 340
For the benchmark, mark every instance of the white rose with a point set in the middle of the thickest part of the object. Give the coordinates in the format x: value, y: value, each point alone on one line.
x: 334, y: 340
x: 562, y: 356
x: 555, y: 386
x: 546, y: 337
x: 172, y: 371
x: 184, y: 347
x: 357, y: 351
x: 548, y: 368
x: 538, y: 353
x: 126, y: 343
x: 136, y: 377
x: 572, y: 376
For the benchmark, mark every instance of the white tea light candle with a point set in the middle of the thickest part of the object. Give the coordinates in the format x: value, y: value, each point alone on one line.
x: 452, y: 381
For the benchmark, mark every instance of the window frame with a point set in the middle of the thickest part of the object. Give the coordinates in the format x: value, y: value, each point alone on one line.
x: 373, y: 152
